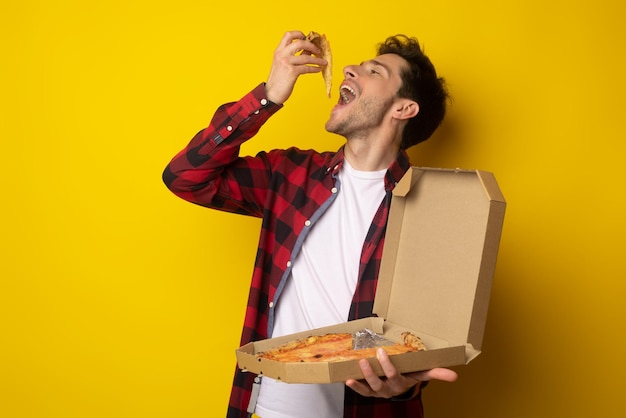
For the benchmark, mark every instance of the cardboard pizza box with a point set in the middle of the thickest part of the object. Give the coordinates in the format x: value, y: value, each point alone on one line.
x: 435, y: 278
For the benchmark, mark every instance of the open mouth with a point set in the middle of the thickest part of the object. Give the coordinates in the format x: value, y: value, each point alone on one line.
x: 346, y: 94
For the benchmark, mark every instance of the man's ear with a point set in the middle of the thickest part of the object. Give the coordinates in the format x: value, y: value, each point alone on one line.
x: 406, y: 109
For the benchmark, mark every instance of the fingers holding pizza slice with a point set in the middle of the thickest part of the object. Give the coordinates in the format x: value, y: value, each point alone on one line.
x: 322, y: 43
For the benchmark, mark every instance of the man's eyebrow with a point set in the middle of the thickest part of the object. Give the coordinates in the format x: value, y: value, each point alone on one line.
x: 378, y: 63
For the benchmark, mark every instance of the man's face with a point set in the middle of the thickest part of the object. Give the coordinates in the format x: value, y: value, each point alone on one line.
x: 366, y: 95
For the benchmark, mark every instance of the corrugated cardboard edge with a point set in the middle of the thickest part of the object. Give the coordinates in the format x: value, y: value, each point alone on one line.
x: 396, y: 215
x: 488, y: 264
x: 407, y: 181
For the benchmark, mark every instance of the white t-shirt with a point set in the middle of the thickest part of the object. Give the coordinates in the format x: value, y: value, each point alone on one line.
x: 319, y: 292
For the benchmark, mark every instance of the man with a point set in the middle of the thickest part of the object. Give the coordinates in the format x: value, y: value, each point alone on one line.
x: 324, y: 215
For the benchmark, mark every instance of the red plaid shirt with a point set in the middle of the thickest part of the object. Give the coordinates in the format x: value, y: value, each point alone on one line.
x: 285, y: 188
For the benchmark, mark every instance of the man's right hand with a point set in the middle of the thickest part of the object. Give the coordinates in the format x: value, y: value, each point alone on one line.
x: 291, y: 59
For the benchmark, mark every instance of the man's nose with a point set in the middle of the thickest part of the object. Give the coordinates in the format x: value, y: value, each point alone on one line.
x: 350, y: 71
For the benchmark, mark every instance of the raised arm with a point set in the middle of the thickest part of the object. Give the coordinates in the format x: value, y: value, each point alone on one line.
x: 209, y: 170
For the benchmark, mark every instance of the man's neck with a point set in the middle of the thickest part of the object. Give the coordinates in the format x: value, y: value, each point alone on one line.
x: 370, y: 156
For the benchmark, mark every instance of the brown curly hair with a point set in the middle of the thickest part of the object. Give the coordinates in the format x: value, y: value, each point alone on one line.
x: 420, y: 83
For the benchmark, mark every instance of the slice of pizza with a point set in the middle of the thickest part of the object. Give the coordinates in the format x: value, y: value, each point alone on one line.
x: 322, y: 43
x: 335, y: 347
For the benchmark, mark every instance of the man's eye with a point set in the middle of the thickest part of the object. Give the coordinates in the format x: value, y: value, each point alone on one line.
x: 372, y: 71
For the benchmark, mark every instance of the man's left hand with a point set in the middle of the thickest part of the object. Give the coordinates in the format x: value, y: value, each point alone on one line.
x: 393, y: 383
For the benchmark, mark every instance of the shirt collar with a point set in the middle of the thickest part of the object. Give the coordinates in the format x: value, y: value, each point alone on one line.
x: 397, y: 169
x: 395, y: 172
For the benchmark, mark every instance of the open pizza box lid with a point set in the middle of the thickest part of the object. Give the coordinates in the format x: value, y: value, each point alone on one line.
x: 435, y: 278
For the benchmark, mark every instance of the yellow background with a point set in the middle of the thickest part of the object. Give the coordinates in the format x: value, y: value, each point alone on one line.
x: 119, y: 300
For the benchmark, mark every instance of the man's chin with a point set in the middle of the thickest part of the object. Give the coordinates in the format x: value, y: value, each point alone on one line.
x: 333, y: 127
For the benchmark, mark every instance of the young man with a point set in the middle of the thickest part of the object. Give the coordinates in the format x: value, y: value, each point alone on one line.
x: 324, y: 215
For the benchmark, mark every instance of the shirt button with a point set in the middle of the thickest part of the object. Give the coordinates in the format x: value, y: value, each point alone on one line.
x: 256, y: 112
x: 334, y: 190
x: 229, y: 128
x: 288, y: 264
x: 271, y: 304
x: 263, y: 102
x: 307, y: 223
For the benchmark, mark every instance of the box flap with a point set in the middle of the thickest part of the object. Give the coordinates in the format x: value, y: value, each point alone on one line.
x: 440, y: 251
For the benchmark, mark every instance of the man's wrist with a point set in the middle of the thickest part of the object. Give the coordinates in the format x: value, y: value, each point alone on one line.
x: 412, y: 393
x: 409, y: 394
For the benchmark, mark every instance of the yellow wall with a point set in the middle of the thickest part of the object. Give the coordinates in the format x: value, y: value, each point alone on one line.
x: 119, y: 300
